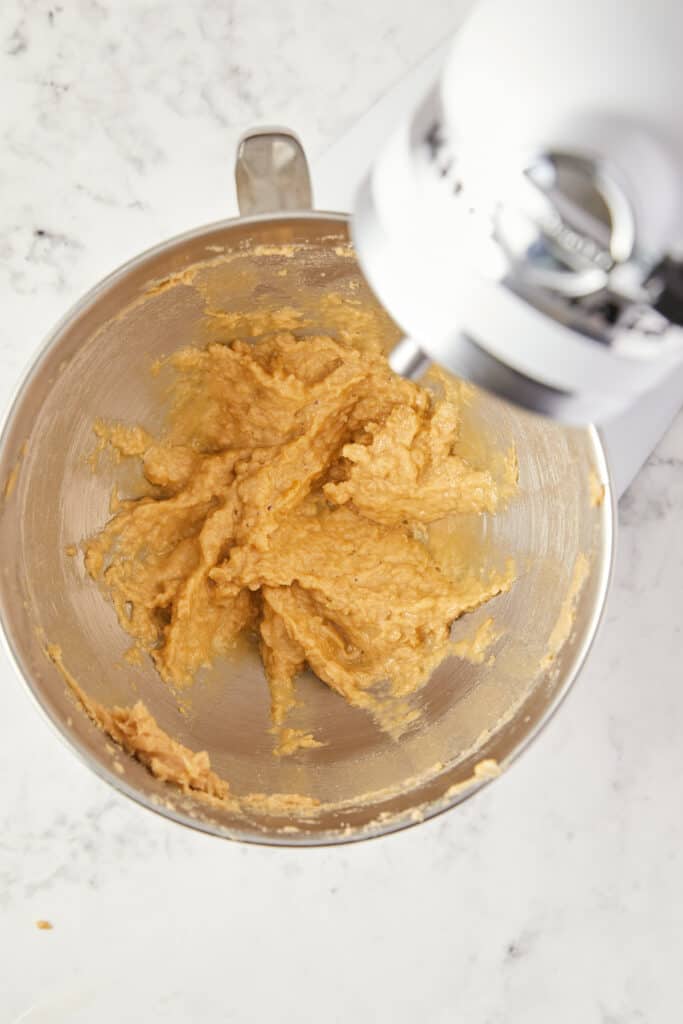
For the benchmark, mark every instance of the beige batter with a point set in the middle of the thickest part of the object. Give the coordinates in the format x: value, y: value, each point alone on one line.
x: 137, y: 732
x: 292, y: 496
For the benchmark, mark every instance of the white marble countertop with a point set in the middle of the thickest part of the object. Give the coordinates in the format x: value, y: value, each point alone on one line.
x: 557, y: 893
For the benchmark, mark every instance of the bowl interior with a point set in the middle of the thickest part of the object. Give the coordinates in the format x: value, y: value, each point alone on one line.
x: 97, y: 364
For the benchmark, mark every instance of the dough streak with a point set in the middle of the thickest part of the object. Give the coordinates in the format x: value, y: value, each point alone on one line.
x: 292, y: 495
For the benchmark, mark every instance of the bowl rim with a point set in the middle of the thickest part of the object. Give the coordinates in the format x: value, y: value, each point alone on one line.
x: 374, y: 829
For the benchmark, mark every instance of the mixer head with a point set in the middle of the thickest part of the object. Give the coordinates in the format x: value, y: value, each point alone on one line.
x: 525, y: 228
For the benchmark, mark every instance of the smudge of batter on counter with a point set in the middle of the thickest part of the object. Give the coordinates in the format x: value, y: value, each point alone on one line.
x: 293, y: 494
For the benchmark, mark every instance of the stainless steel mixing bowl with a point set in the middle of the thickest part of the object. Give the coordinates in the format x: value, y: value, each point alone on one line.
x: 96, y: 364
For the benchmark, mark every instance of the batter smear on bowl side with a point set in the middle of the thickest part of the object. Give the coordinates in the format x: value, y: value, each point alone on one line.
x: 292, y: 495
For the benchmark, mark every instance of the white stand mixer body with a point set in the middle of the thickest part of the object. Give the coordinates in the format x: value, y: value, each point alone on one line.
x: 525, y: 225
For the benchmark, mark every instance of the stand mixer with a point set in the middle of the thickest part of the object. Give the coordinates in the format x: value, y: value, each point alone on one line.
x: 558, y: 291
x: 525, y: 225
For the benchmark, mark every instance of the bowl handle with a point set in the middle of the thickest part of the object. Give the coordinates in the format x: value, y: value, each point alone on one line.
x: 271, y: 172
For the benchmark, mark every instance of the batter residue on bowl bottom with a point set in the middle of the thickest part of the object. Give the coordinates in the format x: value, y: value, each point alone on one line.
x: 292, y: 494
x: 136, y: 731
